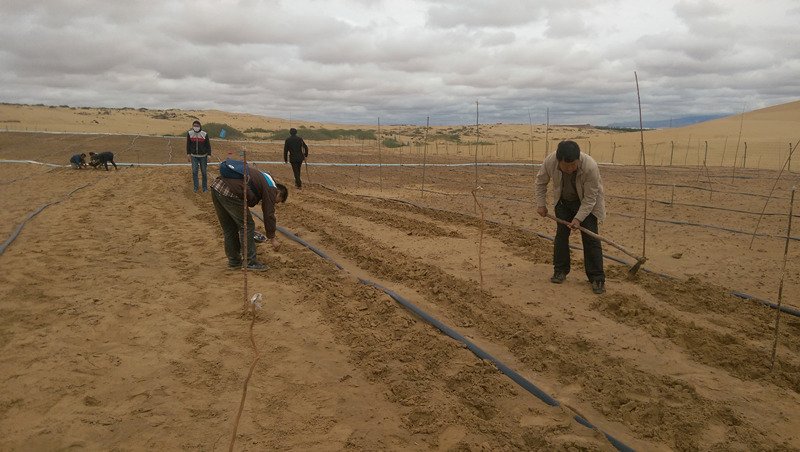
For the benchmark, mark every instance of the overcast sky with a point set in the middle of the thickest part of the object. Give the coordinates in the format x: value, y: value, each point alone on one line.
x: 354, y: 61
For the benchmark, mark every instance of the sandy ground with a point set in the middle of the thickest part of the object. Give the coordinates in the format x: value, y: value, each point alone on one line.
x: 121, y: 328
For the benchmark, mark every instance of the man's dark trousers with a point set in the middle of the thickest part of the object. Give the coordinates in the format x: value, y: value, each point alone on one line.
x: 229, y: 212
x: 592, y: 249
x: 296, y: 167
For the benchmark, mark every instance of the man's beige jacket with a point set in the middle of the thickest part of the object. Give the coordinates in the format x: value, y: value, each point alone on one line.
x: 587, y: 182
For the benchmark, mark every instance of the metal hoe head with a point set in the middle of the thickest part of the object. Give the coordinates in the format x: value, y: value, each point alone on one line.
x: 632, y: 271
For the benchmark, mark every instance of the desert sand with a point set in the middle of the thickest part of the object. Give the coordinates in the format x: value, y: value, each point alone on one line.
x: 121, y: 327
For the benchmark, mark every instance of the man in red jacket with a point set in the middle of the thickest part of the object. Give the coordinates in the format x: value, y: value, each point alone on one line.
x: 198, y: 150
x: 227, y: 196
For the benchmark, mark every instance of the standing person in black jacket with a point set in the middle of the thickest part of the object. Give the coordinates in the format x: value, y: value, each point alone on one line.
x: 295, y: 150
x: 198, y: 150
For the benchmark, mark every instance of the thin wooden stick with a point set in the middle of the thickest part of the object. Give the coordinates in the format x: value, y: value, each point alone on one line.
x: 245, y: 211
x: 738, y: 142
x: 254, y: 304
x: 530, y: 141
x: 360, y: 164
x: 644, y: 167
x: 780, y: 286
x: 477, y: 141
x: 724, y: 147
x: 380, y: 160
x: 425, y: 157
x: 478, y: 206
x: 547, y: 134
x: 752, y: 239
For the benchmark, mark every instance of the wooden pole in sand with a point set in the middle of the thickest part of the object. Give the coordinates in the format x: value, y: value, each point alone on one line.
x: 644, y: 167
x: 425, y: 157
x: 380, y: 160
x: 753, y: 238
x: 780, y: 286
x: 725, y: 146
x: 477, y: 141
x: 245, y: 212
x: 738, y: 142
x: 671, y: 151
x: 547, y: 134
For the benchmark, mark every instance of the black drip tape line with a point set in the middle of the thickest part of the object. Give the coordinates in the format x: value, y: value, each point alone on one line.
x: 479, y: 352
x: 29, y: 217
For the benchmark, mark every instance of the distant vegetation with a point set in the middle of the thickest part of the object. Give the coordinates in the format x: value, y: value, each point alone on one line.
x: 618, y: 129
x: 213, y: 129
x: 319, y: 134
x: 392, y: 143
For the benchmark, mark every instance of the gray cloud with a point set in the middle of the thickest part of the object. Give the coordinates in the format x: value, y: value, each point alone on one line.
x: 356, y: 60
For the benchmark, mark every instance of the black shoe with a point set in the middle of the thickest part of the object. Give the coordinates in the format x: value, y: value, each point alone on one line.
x: 599, y: 287
x: 558, y: 277
x: 257, y: 266
x: 233, y: 264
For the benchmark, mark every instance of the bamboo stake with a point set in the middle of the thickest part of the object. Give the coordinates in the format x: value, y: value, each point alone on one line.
x: 752, y: 239
x: 547, y: 134
x: 477, y: 141
x: 254, y: 305
x: 360, y: 164
x: 613, y: 151
x: 780, y: 286
x: 738, y: 142
x: 672, y: 198
x: 725, y: 146
x: 671, y: 151
x: 425, y: 157
x: 380, y: 160
x: 644, y: 167
x: 479, y: 207
x: 245, y: 212
x: 530, y: 134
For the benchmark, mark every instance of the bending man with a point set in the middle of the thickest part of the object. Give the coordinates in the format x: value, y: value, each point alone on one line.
x: 578, y: 193
x: 227, y: 196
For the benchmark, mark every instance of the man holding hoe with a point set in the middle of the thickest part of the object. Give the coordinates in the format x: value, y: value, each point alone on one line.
x: 578, y: 193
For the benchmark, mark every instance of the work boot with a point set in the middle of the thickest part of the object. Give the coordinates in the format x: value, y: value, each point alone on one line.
x: 558, y: 277
x: 234, y: 264
x: 257, y: 266
x: 599, y: 287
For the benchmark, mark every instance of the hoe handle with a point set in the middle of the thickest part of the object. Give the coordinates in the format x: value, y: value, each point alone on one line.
x: 598, y: 237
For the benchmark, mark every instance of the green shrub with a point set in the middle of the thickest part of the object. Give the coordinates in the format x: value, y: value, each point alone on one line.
x: 325, y: 134
x: 392, y: 143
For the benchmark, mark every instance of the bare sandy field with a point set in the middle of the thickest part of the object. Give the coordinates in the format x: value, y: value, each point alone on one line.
x: 121, y: 327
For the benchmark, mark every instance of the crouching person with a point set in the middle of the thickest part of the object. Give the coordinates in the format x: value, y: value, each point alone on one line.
x: 227, y: 196
x: 103, y: 158
x: 78, y: 161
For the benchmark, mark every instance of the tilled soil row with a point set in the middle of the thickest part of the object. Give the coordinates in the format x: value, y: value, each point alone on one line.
x: 719, y: 306
x: 654, y: 406
x: 418, y: 366
x: 724, y: 351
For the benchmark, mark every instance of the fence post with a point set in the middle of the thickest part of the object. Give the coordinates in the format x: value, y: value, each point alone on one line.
x: 744, y: 159
x: 671, y: 151
x: 613, y: 150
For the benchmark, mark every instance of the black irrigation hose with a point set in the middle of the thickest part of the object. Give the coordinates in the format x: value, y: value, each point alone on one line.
x: 479, y: 352
x: 632, y: 198
x: 700, y: 225
x: 787, y: 309
x: 30, y: 216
